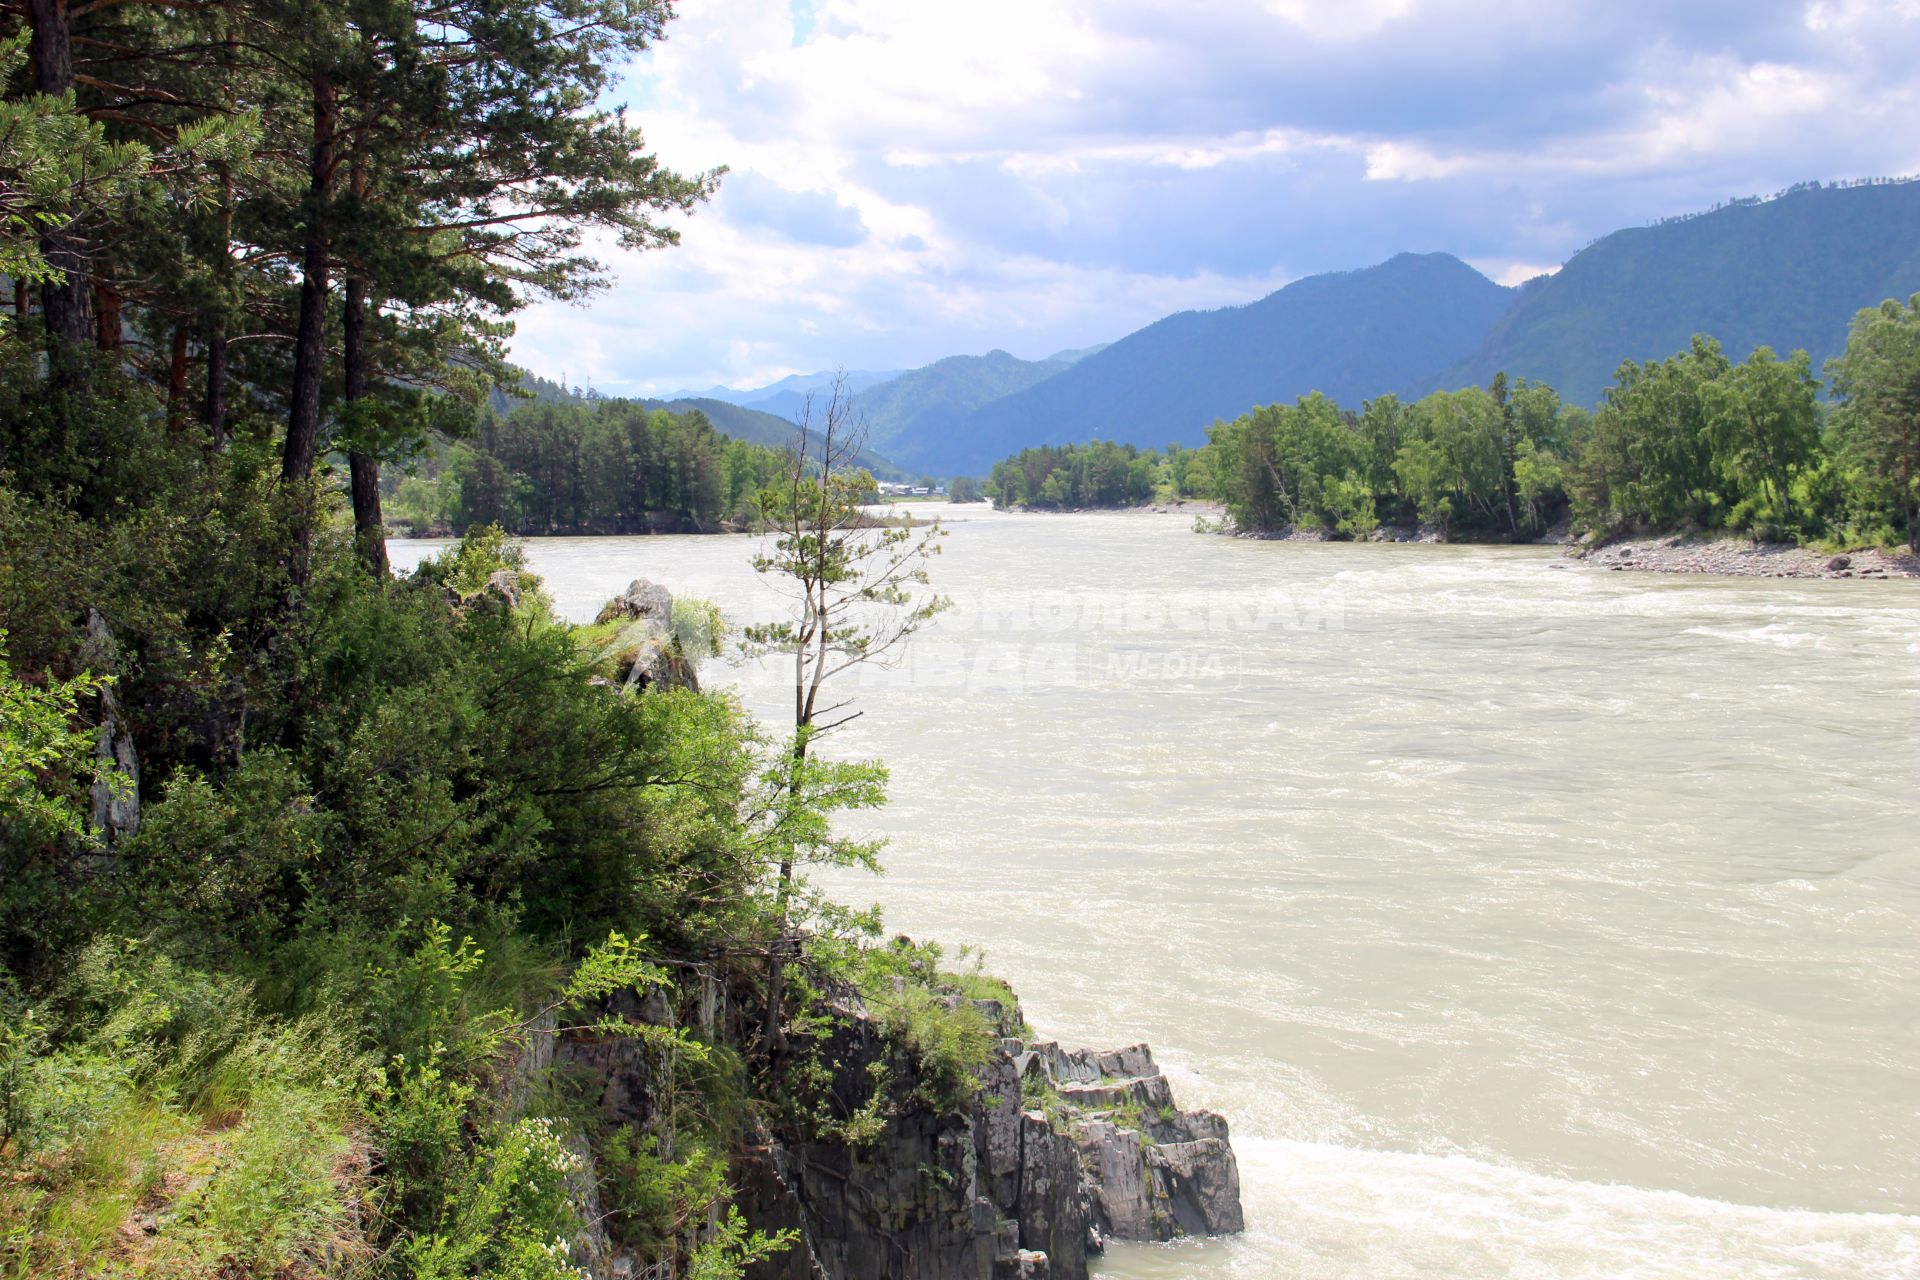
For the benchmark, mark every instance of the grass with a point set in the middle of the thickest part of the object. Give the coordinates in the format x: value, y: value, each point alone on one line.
x: 174, y: 1132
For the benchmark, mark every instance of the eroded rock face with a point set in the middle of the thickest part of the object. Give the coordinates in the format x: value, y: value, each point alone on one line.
x: 1158, y: 1172
x: 1058, y: 1153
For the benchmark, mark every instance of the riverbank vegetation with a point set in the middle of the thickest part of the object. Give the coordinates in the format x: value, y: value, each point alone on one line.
x: 1693, y: 441
x: 301, y: 863
x: 1102, y: 474
x: 599, y: 467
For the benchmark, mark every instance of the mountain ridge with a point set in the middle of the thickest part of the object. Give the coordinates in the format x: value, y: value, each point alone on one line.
x: 1339, y: 332
x: 1788, y: 271
x: 1641, y: 293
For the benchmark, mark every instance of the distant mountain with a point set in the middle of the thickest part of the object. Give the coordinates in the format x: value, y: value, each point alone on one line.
x: 760, y: 427
x: 915, y: 406
x: 922, y: 404
x: 790, y: 391
x: 1788, y: 273
x: 1077, y: 355
x: 1351, y: 335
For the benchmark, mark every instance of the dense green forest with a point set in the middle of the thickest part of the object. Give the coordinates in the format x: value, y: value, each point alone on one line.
x: 602, y: 466
x: 297, y: 856
x: 1101, y: 474
x: 1692, y: 440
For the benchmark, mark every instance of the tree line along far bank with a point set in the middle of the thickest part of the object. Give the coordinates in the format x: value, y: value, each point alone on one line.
x: 1692, y: 440
x: 598, y: 467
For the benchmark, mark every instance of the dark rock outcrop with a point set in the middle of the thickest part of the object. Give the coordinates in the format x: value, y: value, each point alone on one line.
x: 1159, y: 1172
x: 1056, y: 1154
x: 1023, y: 1177
x: 114, y: 799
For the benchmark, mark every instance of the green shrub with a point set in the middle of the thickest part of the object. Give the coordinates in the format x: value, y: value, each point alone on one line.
x: 654, y: 1200
x: 949, y: 1039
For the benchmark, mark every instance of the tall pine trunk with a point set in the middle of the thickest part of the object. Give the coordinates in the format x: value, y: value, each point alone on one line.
x: 106, y: 324
x: 310, y: 335
x: 369, y: 526
x: 63, y: 298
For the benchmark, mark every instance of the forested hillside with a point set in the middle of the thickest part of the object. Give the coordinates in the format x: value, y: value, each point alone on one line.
x: 908, y: 416
x: 1786, y: 273
x: 600, y: 467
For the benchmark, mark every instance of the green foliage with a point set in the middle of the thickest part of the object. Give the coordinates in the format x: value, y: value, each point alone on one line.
x: 507, y: 1216
x: 700, y: 629
x: 654, y: 1200
x: 44, y: 760
x: 56, y: 165
x: 731, y: 1248
x: 1100, y: 474
x: 290, y: 1025
x: 1691, y: 439
x: 949, y: 1038
x: 607, y: 466
x: 1448, y: 461
x: 932, y: 1015
x: 965, y: 489
x: 1877, y: 427
x: 141, y: 1078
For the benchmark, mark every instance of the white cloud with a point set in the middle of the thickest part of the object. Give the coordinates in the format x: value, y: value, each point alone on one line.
x: 1341, y: 21
x: 1040, y: 174
x: 1723, y: 109
x: 1510, y: 273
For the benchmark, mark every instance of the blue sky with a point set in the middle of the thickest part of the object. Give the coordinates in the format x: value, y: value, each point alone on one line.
x: 912, y: 180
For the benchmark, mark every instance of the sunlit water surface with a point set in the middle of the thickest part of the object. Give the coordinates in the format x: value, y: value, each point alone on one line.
x: 1525, y: 919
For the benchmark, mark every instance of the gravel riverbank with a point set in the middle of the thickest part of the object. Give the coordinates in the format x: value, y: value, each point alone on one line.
x: 1737, y: 556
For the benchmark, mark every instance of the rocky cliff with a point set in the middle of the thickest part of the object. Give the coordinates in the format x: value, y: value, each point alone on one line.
x: 1042, y: 1159
x: 1057, y: 1153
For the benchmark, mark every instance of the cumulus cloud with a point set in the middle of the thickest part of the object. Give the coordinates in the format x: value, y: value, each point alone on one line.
x: 808, y: 217
x: 911, y: 181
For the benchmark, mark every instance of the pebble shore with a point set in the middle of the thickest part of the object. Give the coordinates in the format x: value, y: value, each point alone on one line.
x: 1743, y: 558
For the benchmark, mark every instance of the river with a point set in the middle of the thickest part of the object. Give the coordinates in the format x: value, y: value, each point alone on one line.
x: 1523, y: 918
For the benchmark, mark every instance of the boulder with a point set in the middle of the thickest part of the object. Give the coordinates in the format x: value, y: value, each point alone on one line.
x: 648, y: 601
x: 644, y: 653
